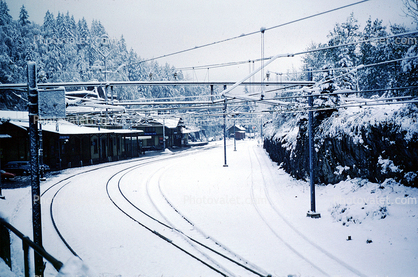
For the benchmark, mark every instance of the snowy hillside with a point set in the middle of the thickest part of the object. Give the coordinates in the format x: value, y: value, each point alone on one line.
x: 375, y: 143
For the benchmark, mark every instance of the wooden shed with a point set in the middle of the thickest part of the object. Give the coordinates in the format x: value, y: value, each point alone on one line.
x: 236, y: 131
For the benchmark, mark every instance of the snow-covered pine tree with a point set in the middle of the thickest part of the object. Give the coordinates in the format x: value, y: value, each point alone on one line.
x: 23, y: 16
x: 344, y: 57
x: 372, y: 52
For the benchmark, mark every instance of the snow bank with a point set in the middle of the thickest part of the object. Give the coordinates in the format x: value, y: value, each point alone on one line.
x: 75, y: 267
x: 5, y: 270
x: 167, y: 151
x: 361, y: 201
x: 351, y: 121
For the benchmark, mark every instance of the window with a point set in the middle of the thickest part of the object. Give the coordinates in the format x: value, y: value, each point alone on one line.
x: 96, y: 146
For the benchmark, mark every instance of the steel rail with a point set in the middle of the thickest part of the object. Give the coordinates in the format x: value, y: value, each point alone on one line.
x: 267, y: 194
x: 147, y: 227
x: 171, y: 227
x: 141, y: 162
x: 278, y: 236
x: 56, y: 193
x: 208, y: 237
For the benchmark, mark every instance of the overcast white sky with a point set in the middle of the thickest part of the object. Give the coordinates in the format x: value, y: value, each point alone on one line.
x: 157, y: 27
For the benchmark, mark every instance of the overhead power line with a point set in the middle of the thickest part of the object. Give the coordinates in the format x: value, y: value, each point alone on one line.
x: 354, y: 42
x: 23, y: 86
x: 217, y: 65
x: 304, y: 52
x: 252, y: 33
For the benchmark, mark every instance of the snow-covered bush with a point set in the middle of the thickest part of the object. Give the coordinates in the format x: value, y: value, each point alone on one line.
x: 375, y: 143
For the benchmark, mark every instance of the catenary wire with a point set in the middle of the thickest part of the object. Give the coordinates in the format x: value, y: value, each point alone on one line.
x: 252, y: 33
x: 298, y: 53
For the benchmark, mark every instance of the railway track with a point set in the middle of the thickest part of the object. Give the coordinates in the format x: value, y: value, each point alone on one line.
x: 210, y: 252
x: 60, y: 185
x: 195, y: 244
x: 241, y: 261
x: 311, y: 252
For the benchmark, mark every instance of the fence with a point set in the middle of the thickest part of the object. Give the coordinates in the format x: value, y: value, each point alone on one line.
x: 5, y: 251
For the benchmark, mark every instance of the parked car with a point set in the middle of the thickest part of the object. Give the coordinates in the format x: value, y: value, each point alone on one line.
x: 7, y: 175
x: 22, y: 167
x: 45, y: 167
x: 18, y: 167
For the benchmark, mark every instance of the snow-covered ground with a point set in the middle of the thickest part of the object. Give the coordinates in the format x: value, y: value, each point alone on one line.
x: 251, y: 212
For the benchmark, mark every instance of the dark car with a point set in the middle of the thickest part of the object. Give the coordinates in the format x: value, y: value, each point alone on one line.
x: 23, y: 167
x: 7, y: 175
x: 45, y: 167
x: 18, y: 167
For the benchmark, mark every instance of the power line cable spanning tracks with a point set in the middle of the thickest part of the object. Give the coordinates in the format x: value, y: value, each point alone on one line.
x: 306, y: 52
x: 254, y: 32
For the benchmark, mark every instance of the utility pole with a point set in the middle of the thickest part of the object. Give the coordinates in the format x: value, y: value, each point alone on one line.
x: 235, y: 139
x: 105, y: 55
x: 262, y: 30
x: 1, y: 195
x: 34, y: 165
x: 41, y: 153
x: 111, y: 93
x: 225, y: 107
x: 211, y: 93
x: 312, y: 213
x: 163, y: 133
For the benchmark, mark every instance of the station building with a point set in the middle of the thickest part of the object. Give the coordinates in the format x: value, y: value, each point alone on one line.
x: 66, y: 144
x: 156, y: 129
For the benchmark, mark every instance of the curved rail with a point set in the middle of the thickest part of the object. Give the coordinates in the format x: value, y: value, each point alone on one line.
x: 125, y: 170
x: 64, y: 185
x: 293, y: 228
x: 337, y: 260
x: 256, y: 270
x: 188, y: 238
x: 142, y: 161
x: 253, y: 199
x: 153, y: 231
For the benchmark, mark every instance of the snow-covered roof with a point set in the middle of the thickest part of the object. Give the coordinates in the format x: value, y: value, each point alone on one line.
x: 189, y: 130
x: 237, y: 128
x: 169, y: 122
x: 67, y: 128
x: 21, y: 119
x: 14, y: 115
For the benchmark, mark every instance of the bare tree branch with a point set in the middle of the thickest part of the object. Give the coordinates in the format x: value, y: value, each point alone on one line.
x: 411, y: 9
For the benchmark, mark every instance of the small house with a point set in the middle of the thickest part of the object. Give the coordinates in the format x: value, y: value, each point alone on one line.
x: 236, y: 131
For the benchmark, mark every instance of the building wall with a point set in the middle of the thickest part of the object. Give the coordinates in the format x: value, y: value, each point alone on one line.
x: 15, y: 148
x: 62, y: 151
